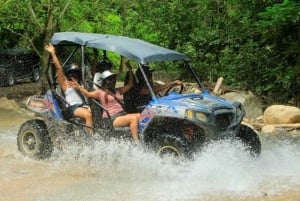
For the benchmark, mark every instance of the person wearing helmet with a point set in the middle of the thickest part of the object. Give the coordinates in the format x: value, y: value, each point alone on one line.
x: 102, y: 66
x: 110, y: 97
x: 140, y: 95
x: 156, y: 87
x: 77, y: 106
x: 72, y: 71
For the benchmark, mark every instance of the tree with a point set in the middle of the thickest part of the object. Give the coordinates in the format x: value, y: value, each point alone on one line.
x: 32, y: 23
x: 279, y: 31
x: 237, y: 39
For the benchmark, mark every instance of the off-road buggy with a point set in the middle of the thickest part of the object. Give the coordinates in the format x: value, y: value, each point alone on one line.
x: 18, y: 64
x: 177, y: 124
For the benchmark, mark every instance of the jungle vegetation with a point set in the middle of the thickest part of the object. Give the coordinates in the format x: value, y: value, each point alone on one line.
x: 253, y: 44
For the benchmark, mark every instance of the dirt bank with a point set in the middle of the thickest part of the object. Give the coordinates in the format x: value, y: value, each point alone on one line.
x: 20, y: 90
x: 12, y: 113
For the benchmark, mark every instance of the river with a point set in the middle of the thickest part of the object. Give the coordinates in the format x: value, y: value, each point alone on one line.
x: 119, y: 171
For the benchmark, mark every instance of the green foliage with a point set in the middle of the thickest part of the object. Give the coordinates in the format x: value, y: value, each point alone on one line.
x: 279, y: 30
x: 252, y: 44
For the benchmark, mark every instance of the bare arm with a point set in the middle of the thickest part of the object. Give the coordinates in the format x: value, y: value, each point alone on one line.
x: 121, y: 67
x: 158, y: 88
x: 60, y: 74
x: 89, y: 94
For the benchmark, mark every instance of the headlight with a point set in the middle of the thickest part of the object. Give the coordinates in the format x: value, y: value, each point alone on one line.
x: 199, y: 116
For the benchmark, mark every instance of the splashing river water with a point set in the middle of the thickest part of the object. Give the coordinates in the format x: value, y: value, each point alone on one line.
x: 119, y: 171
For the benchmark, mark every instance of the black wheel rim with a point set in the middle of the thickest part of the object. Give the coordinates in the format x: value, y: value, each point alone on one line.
x: 11, y: 79
x: 29, y: 142
x: 36, y: 75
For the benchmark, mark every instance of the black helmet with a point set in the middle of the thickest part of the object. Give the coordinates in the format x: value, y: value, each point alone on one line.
x: 104, y: 65
x: 74, y: 71
x: 148, y: 71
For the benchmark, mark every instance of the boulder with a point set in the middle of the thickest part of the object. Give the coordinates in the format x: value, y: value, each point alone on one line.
x: 272, y: 130
x: 282, y: 114
x: 250, y: 102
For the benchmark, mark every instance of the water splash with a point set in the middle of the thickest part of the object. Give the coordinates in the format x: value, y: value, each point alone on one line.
x: 121, y: 171
x: 221, y: 167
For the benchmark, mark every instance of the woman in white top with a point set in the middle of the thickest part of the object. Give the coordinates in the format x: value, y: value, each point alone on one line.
x: 75, y: 101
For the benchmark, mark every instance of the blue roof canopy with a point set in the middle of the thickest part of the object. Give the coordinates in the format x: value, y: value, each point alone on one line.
x: 135, y: 49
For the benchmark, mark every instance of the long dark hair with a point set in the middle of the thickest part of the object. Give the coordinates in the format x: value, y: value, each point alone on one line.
x: 139, y: 75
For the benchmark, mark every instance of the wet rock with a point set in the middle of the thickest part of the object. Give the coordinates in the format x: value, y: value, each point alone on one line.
x: 281, y: 114
x: 251, y: 103
x: 272, y: 130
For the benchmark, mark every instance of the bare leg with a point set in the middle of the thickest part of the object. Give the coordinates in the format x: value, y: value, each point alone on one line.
x: 131, y: 120
x: 87, y: 116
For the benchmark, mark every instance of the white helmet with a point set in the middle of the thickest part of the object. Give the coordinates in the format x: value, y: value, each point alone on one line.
x: 106, y: 74
x: 108, y: 80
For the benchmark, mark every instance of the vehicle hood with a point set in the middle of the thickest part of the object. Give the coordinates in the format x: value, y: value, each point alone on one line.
x: 201, y: 102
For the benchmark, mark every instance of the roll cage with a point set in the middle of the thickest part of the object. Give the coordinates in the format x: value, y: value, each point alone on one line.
x: 134, y: 49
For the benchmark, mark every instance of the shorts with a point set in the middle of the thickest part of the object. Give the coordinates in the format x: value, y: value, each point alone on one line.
x: 108, y: 121
x: 117, y: 115
x: 71, y: 109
